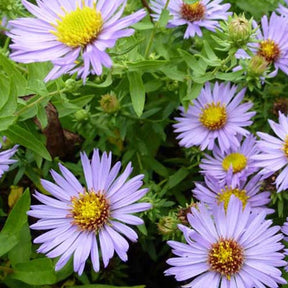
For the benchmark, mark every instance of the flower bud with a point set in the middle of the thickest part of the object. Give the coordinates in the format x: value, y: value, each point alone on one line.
x: 109, y: 103
x: 81, y: 115
x: 72, y: 85
x: 239, y: 30
x: 167, y: 225
x: 257, y: 66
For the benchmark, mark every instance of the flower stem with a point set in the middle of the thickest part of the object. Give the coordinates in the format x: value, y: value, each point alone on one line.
x: 156, y: 26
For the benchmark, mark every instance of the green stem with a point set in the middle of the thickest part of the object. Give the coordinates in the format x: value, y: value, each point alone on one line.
x: 18, y: 113
x: 156, y: 26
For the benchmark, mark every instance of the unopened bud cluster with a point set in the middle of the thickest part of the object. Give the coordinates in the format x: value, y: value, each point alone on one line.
x: 239, y: 30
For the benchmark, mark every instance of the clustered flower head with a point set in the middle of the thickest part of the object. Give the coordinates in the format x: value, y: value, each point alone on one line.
x: 234, y: 165
x: 204, y: 13
x: 249, y: 192
x: 217, y: 115
x: 228, y: 248
x: 74, y: 35
x: 91, y: 218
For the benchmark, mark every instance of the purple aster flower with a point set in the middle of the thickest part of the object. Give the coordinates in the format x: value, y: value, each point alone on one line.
x: 5, y: 160
x: 235, y: 164
x: 213, y: 193
x: 84, y: 218
x: 215, y: 115
x: 274, y: 152
x: 204, y: 13
x: 236, y: 248
x: 72, y: 34
x: 272, y: 44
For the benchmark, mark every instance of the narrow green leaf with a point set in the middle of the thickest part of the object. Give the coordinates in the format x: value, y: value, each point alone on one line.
x: 6, y: 122
x: 164, y: 18
x: 7, y: 242
x: 18, y: 81
x: 137, y: 91
x: 18, y: 217
x: 35, y: 272
x: 177, y: 177
x: 24, y: 137
x: 22, y: 251
x: 9, y: 236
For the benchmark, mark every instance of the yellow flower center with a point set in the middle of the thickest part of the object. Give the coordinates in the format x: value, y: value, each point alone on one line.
x: 79, y: 27
x: 269, y: 50
x: 192, y: 12
x: 226, y: 193
x: 237, y: 160
x: 213, y: 116
x: 285, y: 146
x: 90, y: 211
x: 226, y: 257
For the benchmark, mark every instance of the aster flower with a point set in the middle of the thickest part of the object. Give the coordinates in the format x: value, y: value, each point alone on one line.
x: 204, y: 13
x: 83, y: 218
x: 236, y: 248
x: 74, y: 35
x: 5, y: 160
x: 234, y: 165
x: 272, y: 43
x: 215, y: 115
x: 214, y: 193
x: 274, y: 152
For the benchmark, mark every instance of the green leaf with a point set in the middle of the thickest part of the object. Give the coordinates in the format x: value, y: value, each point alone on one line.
x: 22, y: 251
x: 137, y: 91
x: 35, y: 272
x: 177, y: 177
x: 232, y: 76
x: 194, y: 92
x: 18, y: 217
x: 9, y: 236
x: 164, y: 18
x: 24, y: 137
x: 7, y: 242
x: 18, y: 81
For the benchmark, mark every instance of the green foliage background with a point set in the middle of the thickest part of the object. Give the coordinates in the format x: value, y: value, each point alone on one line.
x: 154, y: 72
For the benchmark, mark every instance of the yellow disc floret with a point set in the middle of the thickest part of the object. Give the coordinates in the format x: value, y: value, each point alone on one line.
x: 90, y: 210
x: 285, y: 146
x: 79, y: 28
x: 226, y: 257
x: 237, y: 161
x: 193, y: 12
x: 269, y: 50
x: 226, y: 193
x: 213, y: 116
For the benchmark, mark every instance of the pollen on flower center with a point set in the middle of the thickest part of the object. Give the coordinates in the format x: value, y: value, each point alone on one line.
x: 285, y: 146
x: 193, y: 12
x: 226, y: 257
x: 235, y: 160
x: 269, y: 50
x: 226, y: 193
x: 213, y: 116
x: 79, y: 27
x: 90, y: 211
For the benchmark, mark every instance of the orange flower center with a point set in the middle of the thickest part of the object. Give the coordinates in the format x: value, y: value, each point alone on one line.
x: 193, y: 12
